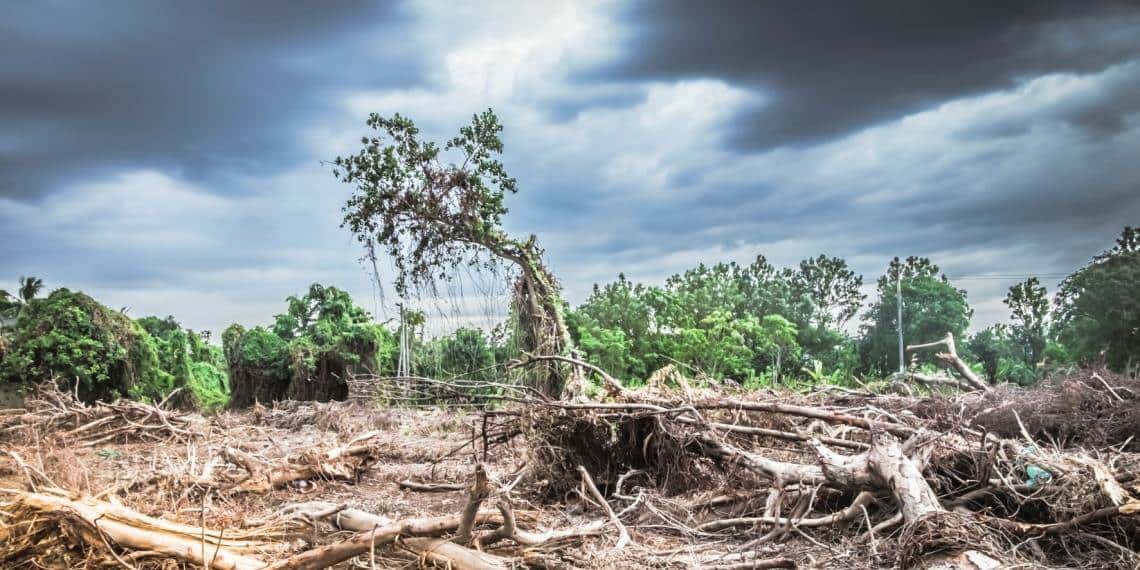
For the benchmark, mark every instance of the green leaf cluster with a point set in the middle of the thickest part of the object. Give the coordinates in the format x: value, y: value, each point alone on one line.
x: 1098, y: 306
x: 740, y: 322
x: 429, y: 214
x: 87, y: 347
x: 931, y: 308
x: 312, y: 347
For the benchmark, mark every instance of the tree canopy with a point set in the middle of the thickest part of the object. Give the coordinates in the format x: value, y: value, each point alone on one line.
x: 1098, y: 306
x: 1029, y: 309
x: 307, y: 354
x: 931, y: 308
x: 432, y: 215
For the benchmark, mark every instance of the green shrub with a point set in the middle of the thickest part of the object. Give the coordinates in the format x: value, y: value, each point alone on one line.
x: 209, y: 385
x: 73, y: 339
x: 191, y: 362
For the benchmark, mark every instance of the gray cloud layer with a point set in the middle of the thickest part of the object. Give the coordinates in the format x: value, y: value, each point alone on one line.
x: 830, y: 68
x: 167, y: 156
x: 203, y: 89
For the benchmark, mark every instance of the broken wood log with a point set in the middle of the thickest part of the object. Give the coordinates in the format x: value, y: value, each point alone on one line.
x: 445, y: 553
x: 419, y: 487
x: 100, y: 523
x: 477, y: 492
x: 934, y: 537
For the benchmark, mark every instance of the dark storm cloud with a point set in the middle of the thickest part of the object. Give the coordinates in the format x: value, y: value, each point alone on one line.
x: 829, y: 68
x: 203, y: 89
x: 166, y: 154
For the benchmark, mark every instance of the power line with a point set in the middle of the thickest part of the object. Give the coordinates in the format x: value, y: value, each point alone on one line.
x: 984, y: 276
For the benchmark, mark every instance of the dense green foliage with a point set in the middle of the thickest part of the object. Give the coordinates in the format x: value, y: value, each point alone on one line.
x: 721, y: 321
x: 194, y: 364
x: 319, y: 340
x: 103, y: 354
x: 1002, y: 357
x: 1098, y: 306
x: 466, y: 353
x: 71, y: 338
x: 931, y: 308
x: 753, y: 324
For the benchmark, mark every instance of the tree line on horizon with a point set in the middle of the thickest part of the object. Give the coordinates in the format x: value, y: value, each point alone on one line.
x: 755, y: 325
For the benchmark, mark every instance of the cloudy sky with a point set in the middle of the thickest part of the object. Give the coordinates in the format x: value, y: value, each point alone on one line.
x: 167, y: 156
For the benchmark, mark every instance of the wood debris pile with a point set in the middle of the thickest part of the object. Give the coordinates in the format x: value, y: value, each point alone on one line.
x: 671, y: 475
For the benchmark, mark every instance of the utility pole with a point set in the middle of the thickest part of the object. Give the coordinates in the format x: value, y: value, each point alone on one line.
x: 898, y: 302
x: 403, y: 365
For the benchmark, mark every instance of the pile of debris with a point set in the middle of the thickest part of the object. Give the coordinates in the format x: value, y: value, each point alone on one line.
x: 49, y: 413
x: 671, y: 475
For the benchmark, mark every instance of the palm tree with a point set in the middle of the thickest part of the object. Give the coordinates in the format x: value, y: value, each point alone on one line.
x: 11, y: 305
x: 8, y: 306
x: 29, y: 288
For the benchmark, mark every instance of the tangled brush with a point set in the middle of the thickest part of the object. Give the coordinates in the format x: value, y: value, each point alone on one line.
x: 50, y: 412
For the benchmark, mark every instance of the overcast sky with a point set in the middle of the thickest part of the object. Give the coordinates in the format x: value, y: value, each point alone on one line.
x: 167, y: 156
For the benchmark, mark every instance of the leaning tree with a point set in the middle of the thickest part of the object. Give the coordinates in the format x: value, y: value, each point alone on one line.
x: 432, y: 215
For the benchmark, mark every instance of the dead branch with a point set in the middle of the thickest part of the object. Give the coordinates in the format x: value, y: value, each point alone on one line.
x: 623, y: 534
x: 818, y: 413
x: 853, y: 511
x: 950, y: 356
x: 410, y: 485
x: 1130, y: 509
x: 510, y: 530
x: 344, y: 464
x: 51, y: 412
x: 477, y: 492
x: 362, y: 542
x: 779, y: 562
x: 613, y: 387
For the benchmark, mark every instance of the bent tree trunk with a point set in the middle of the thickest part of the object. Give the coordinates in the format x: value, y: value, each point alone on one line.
x: 537, y: 306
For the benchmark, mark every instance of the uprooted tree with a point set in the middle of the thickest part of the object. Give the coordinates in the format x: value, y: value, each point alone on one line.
x: 432, y: 216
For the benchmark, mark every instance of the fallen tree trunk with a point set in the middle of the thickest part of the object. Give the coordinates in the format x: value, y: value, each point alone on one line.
x: 102, y: 524
x: 364, y: 541
x: 934, y: 538
x: 445, y: 553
